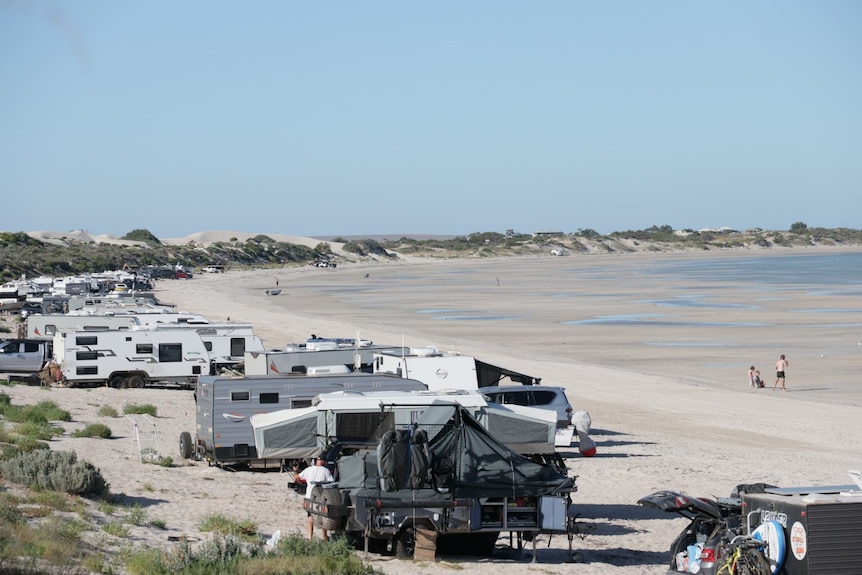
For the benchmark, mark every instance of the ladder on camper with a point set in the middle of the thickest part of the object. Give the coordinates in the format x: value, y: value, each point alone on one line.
x: 147, y: 443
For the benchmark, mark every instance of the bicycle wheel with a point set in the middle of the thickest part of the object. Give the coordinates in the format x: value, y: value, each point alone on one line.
x: 753, y: 562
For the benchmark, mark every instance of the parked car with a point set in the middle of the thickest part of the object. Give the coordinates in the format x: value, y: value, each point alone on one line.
x: 544, y: 396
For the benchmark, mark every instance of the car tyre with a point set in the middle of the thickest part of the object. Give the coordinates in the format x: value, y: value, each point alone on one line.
x: 185, y: 445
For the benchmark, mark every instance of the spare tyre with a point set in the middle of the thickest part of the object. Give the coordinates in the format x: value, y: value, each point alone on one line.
x: 327, y: 496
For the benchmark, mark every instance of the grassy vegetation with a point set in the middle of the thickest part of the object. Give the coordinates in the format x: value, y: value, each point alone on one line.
x: 94, y: 430
x: 146, y: 409
x: 47, y: 527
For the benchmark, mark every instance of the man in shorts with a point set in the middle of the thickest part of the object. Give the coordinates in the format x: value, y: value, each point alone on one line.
x: 314, y: 475
x: 780, y: 367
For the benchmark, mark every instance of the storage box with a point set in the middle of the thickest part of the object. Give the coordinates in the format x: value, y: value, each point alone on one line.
x: 426, y: 545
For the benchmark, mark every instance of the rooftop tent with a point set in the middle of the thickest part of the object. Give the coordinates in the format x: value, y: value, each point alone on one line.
x: 490, y: 375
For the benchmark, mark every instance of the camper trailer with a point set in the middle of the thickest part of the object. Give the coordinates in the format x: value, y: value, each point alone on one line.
x: 407, y: 465
x: 224, y: 405
x: 298, y: 358
x: 445, y: 370
x: 132, y: 358
x: 358, y: 420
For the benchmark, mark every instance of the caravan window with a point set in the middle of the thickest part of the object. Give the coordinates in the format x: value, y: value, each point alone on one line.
x: 271, y: 397
x: 86, y: 355
x: 86, y: 340
x: 50, y: 329
x: 237, y: 346
x: 300, y: 403
x: 239, y: 395
x: 170, y: 352
x: 144, y: 348
x: 208, y: 345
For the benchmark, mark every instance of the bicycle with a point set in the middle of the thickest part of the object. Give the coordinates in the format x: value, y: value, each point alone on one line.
x: 743, y: 555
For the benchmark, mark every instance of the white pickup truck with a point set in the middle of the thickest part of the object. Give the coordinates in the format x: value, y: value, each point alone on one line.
x: 24, y: 356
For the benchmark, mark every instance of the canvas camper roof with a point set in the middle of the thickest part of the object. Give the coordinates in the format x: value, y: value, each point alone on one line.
x: 360, y: 419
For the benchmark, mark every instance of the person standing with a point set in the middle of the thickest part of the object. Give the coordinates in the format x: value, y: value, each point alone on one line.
x: 314, y: 475
x: 751, y: 376
x: 780, y: 368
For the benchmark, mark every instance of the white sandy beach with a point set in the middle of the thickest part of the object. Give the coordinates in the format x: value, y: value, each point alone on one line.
x: 670, y: 405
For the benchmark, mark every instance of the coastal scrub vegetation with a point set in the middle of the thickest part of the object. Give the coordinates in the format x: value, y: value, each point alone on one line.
x: 57, y: 516
x: 21, y: 254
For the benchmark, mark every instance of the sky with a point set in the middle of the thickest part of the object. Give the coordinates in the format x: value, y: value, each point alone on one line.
x: 384, y: 117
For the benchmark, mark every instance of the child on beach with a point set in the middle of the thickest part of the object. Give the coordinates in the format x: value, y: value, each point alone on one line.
x: 751, y: 371
x: 757, y: 381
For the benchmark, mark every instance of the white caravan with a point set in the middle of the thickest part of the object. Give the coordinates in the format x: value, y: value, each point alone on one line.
x: 45, y: 326
x: 227, y: 342
x: 132, y: 358
x: 300, y: 358
x: 446, y: 370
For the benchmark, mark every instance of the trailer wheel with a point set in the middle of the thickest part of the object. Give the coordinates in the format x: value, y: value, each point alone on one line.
x: 135, y: 380
x: 405, y: 545
x: 185, y: 445
x: 117, y: 381
x: 327, y: 496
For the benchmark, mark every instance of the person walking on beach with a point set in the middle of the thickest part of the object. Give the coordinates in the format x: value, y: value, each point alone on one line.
x: 313, y: 475
x: 751, y: 377
x: 780, y: 368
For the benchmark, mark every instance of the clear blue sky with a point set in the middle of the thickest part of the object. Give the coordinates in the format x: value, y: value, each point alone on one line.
x: 352, y: 118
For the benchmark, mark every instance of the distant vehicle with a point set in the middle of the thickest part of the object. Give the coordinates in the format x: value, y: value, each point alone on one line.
x: 30, y: 307
x: 213, y: 269
x: 323, y: 264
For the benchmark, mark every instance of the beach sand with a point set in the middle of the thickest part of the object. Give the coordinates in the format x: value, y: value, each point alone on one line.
x: 670, y: 404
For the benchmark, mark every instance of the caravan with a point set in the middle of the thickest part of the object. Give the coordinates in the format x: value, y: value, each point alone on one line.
x: 132, y: 358
x: 445, y: 370
x: 298, y: 358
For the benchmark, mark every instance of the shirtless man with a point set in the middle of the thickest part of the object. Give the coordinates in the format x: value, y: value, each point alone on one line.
x: 780, y: 367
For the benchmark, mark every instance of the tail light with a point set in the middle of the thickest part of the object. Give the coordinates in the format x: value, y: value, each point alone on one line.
x: 707, y: 554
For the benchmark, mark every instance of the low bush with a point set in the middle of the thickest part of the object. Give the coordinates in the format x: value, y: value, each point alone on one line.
x: 55, y: 470
x: 134, y: 408
x: 94, y: 430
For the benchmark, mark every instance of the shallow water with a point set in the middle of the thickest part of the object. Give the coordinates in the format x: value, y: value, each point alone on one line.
x: 703, y: 318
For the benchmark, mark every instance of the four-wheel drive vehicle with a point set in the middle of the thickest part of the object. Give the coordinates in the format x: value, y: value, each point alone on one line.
x: 24, y: 355
x: 544, y: 396
x: 443, y: 475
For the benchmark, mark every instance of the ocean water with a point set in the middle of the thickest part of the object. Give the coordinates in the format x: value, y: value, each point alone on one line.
x: 704, y: 318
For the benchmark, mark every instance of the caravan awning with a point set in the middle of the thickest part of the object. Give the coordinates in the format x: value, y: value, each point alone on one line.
x: 490, y: 375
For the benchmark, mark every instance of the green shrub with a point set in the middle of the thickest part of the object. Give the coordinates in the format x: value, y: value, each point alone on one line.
x: 146, y: 409
x: 55, y: 470
x: 108, y: 411
x: 94, y: 430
